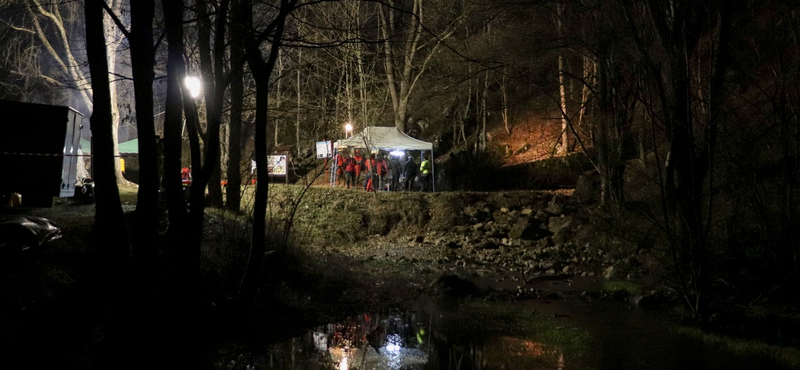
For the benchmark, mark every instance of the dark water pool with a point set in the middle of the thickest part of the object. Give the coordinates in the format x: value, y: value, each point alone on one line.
x: 532, y: 335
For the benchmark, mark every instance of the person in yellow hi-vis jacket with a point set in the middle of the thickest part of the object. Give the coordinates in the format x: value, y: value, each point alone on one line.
x: 425, y: 170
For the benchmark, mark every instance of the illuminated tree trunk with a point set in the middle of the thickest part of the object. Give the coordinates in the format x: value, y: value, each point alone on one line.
x: 234, y: 188
x: 561, y: 87
x: 52, y: 30
x: 208, y: 70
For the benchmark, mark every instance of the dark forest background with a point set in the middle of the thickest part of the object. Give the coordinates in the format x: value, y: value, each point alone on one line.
x: 684, y: 112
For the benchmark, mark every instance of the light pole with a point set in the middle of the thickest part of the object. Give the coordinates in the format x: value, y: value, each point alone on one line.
x: 348, y: 128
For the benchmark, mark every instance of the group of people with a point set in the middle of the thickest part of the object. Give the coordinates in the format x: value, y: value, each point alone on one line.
x: 375, y: 171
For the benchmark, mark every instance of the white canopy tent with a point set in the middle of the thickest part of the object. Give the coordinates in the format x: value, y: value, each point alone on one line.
x: 387, y: 138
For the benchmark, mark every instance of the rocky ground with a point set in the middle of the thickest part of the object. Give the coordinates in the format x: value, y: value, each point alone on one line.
x: 505, y: 243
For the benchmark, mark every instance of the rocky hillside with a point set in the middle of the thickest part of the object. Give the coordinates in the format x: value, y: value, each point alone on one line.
x: 517, y: 235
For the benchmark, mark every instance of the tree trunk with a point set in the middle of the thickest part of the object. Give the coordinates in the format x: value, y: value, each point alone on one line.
x: 261, y: 71
x: 234, y: 189
x: 297, y: 122
x: 111, y: 234
x: 145, y: 253
x: 278, y: 88
x: 561, y: 88
x: 208, y: 69
x: 174, y: 125
x: 484, y: 113
x: 182, y: 270
x: 504, y: 100
x: 403, y: 71
x: 113, y: 41
x: 589, y: 73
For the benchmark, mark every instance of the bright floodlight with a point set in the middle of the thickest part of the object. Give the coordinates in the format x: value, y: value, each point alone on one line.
x: 193, y: 84
x: 348, y: 127
x: 397, y: 153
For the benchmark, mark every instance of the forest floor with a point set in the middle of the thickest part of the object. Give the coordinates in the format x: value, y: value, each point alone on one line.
x: 348, y: 250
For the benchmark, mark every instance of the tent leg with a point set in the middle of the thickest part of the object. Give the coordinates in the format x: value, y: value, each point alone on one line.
x: 333, y: 170
x: 433, y: 172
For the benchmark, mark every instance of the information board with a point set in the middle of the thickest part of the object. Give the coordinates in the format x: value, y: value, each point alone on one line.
x: 324, y: 149
x: 276, y: 165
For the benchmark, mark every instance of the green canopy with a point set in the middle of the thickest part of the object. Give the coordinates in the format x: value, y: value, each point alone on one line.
x: 128, y: 147
x: 86, y: 146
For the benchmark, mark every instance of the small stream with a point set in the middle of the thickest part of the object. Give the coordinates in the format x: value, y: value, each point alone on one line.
x: 532, y: 334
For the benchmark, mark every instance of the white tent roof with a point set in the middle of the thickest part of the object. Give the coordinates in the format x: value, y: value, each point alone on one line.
x: 388, y: 138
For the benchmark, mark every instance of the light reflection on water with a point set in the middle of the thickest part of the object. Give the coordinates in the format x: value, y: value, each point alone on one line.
x: 421, y: 338
x: 526, y: 335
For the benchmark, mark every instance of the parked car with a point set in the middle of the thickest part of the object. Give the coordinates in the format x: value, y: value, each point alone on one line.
x: 22, y: 233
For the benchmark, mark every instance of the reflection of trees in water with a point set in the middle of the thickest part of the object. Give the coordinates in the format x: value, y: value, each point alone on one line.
x: 495, y: 353
x: 417, y: 339
x: 296, y: 353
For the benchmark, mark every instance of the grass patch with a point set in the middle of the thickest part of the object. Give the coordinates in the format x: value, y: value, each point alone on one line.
x: 782, y: 355
x: 128, y: 194
x: 620, y: 286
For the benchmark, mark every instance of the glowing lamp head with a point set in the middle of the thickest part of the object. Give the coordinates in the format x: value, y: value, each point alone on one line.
x: 348, y: 127
x: 397, y: 153
x: 193, y: 84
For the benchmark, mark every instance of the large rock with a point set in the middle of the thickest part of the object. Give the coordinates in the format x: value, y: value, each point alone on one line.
x: 527, y: 228
x: 560, y: 224
x: 554, y: 206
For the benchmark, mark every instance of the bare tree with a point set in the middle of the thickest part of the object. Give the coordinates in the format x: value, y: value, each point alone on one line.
x: 237, y: 51
x: 261, y: 69
x: 54, y: 25
x: 408, y: 47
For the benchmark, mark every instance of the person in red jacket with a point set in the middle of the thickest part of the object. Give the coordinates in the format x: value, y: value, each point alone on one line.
x: 340, y: 176
x: 349, y: 170
x: 382, y: 169
x: 369, y: 168
x: 359, y: 162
